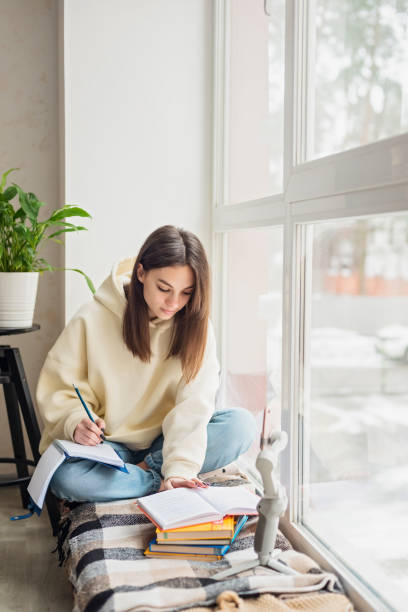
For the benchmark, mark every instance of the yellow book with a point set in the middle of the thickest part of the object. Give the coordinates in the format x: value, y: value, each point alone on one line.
x: 202, y: 531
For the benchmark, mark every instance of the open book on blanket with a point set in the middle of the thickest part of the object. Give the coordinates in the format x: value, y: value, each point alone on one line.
x: 181, y: 507
x: 58, y: 452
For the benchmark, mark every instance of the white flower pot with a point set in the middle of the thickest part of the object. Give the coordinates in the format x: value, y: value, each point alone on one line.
x: 18, y: 292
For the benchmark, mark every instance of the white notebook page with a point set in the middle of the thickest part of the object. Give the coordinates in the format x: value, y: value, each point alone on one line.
x: 44, y: 471
x: 229, y: 499
x: 102, y: 452
x: 179, y: 505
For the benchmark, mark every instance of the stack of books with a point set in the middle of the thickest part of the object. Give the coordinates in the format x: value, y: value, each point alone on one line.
x: 201, y: 542
x: 198, y: 524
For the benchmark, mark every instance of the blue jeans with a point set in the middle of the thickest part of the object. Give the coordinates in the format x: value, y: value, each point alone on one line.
x: 229, y: 434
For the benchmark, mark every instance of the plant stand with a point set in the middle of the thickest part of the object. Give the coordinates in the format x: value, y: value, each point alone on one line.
x: 17, y: 397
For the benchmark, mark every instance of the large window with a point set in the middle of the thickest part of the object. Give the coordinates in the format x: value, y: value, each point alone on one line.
x: 311, y: 267
x: 358, y: 83
x: 354, y: 466
x: 252, y: 375
x: 255, y: 100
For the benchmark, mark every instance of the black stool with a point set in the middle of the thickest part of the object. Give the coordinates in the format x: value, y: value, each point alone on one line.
x: 17, y: 397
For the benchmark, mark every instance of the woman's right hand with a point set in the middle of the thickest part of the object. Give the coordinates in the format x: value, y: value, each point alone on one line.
x: 89, y: 433
x: 189, y: 483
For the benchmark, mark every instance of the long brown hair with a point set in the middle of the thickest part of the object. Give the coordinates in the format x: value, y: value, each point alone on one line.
x: 171, y: 246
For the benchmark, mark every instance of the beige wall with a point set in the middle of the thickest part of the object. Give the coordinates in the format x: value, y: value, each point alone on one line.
x: 29, y: 140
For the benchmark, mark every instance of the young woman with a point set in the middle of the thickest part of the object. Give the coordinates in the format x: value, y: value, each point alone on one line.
x: 143, y: 356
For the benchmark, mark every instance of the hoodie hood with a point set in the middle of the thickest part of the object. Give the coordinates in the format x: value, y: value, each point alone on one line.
x: 112, y: 294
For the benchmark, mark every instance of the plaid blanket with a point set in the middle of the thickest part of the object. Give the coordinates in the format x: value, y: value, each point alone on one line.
x: 101, y: 546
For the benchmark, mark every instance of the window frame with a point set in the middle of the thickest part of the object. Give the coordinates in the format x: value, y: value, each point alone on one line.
x: 370, y: 179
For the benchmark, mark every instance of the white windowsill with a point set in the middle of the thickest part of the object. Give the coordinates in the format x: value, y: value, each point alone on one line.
x: 363, y: 599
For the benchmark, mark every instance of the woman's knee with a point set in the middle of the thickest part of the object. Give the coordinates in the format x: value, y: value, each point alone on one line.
x: 246, y: 425
x: 240, y: 427
x: 67, y: 480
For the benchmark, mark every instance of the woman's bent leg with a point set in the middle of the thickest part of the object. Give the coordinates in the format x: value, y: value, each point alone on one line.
x: 229, y: 434
x: 84, y: 480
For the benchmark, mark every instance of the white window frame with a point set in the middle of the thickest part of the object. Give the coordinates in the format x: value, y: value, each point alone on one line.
x: 371, y: 179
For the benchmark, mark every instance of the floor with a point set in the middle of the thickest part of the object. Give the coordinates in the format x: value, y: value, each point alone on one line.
x: 30, y: 579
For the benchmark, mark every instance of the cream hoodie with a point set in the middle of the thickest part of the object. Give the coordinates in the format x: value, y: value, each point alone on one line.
x: 137, y: 400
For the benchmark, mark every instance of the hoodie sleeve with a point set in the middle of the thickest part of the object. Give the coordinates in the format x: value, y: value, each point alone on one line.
x: 59, y: 406
x: 185, y: 426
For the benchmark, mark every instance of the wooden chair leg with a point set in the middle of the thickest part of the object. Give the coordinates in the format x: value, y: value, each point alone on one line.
x: 25, y: 401
x: 17, y: 438
x: 31, y: 424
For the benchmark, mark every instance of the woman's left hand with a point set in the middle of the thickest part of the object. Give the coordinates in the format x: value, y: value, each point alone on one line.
x: 191, y: 483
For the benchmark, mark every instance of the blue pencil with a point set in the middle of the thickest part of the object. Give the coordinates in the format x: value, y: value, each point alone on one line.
x: 85, y: 406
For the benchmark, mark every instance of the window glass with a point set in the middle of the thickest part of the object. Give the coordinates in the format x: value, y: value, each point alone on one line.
x: 252, y: 378
x: 355, y: 398
x: 254, y: 139
x: 358, y: 77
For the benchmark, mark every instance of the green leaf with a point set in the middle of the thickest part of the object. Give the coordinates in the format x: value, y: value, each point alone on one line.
x: 29, y: 203
x: 22, y: 230
x: 47, y: 267
x: 69, y: 211
x: 88, y: 280
x: 9, y: 194
x: 67, y: 229
x: 34, y: 204
x: 19, y: 214
x: 22, y: 198
x: 60, y: 224
x: 7, y: 213
x: 4, y: 178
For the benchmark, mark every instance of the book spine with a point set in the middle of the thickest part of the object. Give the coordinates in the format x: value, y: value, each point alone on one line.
x: 239, y: 526
x: 194, y: 549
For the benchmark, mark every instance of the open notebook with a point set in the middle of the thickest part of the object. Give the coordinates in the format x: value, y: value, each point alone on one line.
x: 58, y: 452
x: 182, y: 507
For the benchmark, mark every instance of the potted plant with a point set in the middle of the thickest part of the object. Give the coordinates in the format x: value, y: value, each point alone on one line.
x: 22, y: 235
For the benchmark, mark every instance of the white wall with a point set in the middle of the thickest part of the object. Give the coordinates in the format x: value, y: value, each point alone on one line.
x: 138, y: 107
